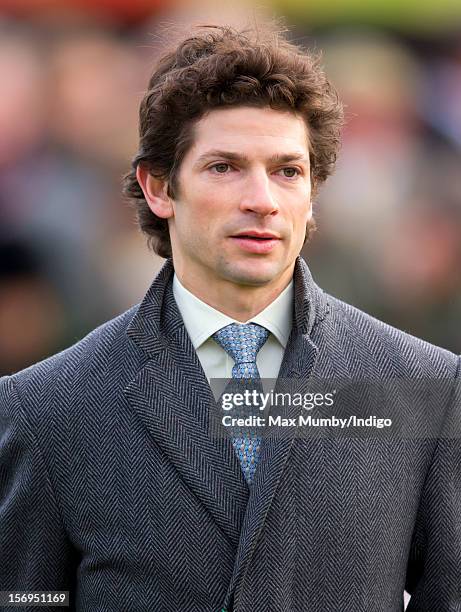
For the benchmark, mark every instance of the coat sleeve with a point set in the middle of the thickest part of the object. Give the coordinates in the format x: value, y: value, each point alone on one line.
x: 35, y: 553
x: 434, y: 566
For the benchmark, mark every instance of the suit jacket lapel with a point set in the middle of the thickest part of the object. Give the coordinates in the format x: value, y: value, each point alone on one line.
x: 173, y: 399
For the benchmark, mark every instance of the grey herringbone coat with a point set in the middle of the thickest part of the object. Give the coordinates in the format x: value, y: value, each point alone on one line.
x: 111, y: 487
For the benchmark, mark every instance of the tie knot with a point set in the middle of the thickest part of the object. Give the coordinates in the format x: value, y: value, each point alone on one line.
x: 242, y: 341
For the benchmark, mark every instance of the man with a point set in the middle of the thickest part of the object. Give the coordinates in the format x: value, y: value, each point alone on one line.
x: 114, y: 484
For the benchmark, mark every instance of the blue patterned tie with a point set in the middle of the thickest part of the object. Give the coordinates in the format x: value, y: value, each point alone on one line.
x: 242, y: 342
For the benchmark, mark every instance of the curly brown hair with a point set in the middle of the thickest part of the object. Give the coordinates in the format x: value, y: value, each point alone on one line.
x: 222, y: 66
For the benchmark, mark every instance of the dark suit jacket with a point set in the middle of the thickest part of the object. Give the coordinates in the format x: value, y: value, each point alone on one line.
x: 112, y: 487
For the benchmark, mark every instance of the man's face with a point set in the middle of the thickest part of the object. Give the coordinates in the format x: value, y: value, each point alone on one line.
x: 244, y: 199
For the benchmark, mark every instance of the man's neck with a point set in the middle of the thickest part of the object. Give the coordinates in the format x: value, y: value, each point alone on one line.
x: 237, y: 302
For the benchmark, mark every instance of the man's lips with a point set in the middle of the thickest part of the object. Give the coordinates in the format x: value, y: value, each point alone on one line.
x: 256, y: 242
x: 256, y: 234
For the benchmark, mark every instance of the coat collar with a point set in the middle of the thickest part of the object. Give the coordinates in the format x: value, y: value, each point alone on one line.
x: 157, y: 319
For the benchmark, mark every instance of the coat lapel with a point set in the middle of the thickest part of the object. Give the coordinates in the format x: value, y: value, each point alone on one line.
x: 173, y: 399
x: 299, y: 360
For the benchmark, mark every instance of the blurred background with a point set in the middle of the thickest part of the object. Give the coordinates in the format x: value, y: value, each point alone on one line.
x: 72, y: 74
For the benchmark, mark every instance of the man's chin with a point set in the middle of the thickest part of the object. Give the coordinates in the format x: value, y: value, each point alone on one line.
x: 253, y: 274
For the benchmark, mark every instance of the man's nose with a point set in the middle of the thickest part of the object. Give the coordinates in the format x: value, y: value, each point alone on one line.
x: 258, y: 196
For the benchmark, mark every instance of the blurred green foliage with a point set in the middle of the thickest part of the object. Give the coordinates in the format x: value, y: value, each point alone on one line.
x: 405, y: 15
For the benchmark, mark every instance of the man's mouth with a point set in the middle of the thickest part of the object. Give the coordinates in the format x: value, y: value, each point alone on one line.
x: 257, y: 235
x: 254, y: 237
x: 256, y: 242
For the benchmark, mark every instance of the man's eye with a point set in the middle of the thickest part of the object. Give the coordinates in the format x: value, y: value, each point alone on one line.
x: 290, y: 172
x: 220, y: 168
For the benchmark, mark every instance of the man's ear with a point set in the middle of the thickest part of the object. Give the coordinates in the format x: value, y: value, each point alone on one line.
x: 155, y: 192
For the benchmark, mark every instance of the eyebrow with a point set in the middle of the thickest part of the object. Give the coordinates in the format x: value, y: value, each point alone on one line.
x: 278, y: 158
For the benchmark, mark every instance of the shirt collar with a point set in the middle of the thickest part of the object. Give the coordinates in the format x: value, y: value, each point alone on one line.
x: 202, y: 321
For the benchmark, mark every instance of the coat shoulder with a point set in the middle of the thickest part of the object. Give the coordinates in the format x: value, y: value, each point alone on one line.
x: 98, y: 360
x: 360, y: 333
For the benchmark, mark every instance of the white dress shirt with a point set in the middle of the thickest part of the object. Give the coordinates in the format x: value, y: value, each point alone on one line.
x: 202, y: 321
